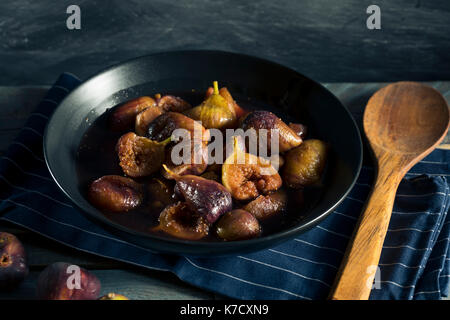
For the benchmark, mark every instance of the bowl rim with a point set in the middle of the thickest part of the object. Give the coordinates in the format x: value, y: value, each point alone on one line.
x: 275, y: 237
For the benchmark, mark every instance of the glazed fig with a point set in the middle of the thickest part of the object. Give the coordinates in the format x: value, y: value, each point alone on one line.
x: 196, y: 141
x: 215, y: 112
x: 300, y: 129
x: 59, y: 282
x: 180, y: 221
x: 205, y: 197
x: 247, y: 176
x: 237, y: 109
x: 240, y: 112
x: 115, y: 193
x: 144, y: 118
x: 123, y: 117
x: 139, y: 156
x: 258, y: 120
x: 113, y: 296
x: 238, y: 225
x: 305, y: 164
x: 162, y: 105
x: 172, y: 103
x: 13, y: 262
x: 268, y: 206
x: 164, y: 125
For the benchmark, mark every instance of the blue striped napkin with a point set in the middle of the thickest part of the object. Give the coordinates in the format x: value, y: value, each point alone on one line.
x: 414, y: 264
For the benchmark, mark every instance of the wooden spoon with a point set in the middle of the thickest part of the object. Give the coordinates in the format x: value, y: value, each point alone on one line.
x: 403, y: 122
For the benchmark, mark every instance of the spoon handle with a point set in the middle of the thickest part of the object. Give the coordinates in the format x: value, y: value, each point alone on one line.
x: 355, y: 277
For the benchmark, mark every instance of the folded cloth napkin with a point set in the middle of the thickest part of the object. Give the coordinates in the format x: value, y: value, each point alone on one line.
x: 414, y: 264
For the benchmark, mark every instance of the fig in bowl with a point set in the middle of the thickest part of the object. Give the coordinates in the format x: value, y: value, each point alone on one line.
x: 162, y: 105
x: 266, y: 120
x: 216, y: 111
x: 237, y: 225
x: 305, y: 164
x: 247, y: 176
x: 206, y: 197
x: 115, y: 193
x: 179, y: 221
x: 123, y: 117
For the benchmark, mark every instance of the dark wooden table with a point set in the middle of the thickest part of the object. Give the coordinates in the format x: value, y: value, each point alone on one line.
x: 137, y: 283
x: 325, y: 39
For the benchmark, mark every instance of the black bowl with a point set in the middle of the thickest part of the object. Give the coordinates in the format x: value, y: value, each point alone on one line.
x: 286, y: 90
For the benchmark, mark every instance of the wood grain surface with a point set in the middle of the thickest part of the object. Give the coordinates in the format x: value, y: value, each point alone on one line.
x: 325, y: 39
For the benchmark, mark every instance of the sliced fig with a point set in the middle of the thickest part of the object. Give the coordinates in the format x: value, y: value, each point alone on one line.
x: 247, y: 176
x: 140, y: 156
x: 180, y: 221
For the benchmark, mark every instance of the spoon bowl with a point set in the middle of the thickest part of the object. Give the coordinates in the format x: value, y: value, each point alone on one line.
x: 406, y: 117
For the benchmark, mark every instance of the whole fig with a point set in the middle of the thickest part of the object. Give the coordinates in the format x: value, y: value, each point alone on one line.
x: 123, y: 117
x: 257, y: 120
x: 63, y: 281
x: 13, y: 264
x: 208, y: 198
x: 267, y: 206
x: 305, y: 164
x: 215, y: 112
x: 238, y: 225
x: 115, y: 193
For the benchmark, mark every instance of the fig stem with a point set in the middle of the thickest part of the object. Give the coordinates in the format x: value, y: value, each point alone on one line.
x: 216, y: 87
x: 170, y: 172
x: 165, y: 142
x: 158, y: 96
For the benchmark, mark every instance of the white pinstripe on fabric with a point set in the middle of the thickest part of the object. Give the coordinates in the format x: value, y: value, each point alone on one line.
x: 246, y: 281
x: 25, y: 172
x: 34, y: 191
x: 285, y: 270
x: 28, y: 149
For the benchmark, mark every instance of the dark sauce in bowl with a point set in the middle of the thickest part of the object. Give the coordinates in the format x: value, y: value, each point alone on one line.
x: 97, y: 157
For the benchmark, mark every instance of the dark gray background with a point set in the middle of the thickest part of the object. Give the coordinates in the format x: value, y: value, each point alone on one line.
x: 325, y: 39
